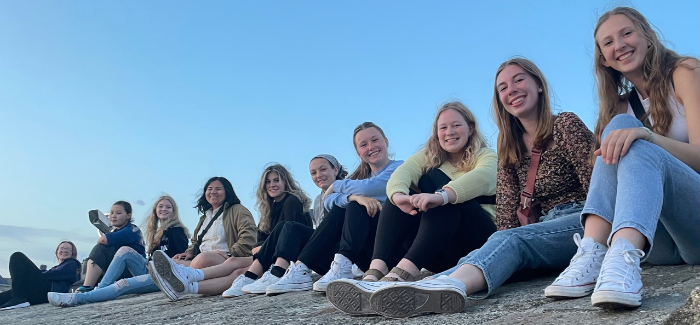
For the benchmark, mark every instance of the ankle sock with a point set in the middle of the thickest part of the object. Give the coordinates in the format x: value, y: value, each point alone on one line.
x: 277, y: 271
x: 198, y: 275
x: 193, y: 287
x: 251, y: 275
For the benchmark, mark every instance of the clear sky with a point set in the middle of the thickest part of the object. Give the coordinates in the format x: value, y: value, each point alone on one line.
x: 107, y: 101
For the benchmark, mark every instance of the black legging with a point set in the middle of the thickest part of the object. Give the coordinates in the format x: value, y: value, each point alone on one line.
x: 435, y: 239
x: 28, y: 282
x: 348, y: 231
x: 286, y: 240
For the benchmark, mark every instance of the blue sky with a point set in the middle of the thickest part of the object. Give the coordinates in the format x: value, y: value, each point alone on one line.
x: 127, y: 100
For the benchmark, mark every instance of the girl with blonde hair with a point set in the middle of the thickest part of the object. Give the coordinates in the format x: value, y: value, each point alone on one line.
x: 643, y: 201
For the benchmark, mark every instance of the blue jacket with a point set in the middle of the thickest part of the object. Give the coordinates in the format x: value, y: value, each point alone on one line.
x: 63, y: 275
x: 374, y: 187
x: 129, y: 235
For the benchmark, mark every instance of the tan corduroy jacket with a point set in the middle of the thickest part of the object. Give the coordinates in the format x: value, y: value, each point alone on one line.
x: 239, y: 225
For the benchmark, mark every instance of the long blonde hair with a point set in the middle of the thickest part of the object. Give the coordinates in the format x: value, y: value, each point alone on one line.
x: 153, y: 229
x: 511, y: 146
x: 264, y: 201
x: 435, y: 155
x: 363, y: 170
x: 658, y: 68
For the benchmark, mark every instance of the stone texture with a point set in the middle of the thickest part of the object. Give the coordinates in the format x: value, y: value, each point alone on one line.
x: 667, y: 289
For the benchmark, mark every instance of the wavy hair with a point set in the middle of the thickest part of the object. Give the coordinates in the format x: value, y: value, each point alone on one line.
x: 153, y: 229
x: 435, y: 155
x: 363, y: 170
x: 511, y: 146
x: 659, y: 65
x: 264, y: 201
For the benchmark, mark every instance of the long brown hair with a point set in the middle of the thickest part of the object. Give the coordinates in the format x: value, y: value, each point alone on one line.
x: 658, y: 68
x: 363, y: 171
x: 153, y: 229
x: 264, y: 201
x: 435, y: 155
x: 511, y: 146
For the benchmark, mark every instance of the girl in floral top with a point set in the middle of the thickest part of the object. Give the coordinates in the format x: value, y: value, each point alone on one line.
x: 523, y: 115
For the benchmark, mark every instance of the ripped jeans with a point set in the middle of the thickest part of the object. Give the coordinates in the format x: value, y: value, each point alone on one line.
x: 137, y: 285
x: 125, y: 258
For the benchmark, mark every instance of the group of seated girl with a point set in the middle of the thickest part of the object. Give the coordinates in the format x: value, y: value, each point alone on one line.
x: 456, y: 208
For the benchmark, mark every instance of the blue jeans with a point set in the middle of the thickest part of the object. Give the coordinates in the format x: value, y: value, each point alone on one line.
x: 547, y: 244
x: 653, y: 192
x: 125, y: 258
x: 137, y: 285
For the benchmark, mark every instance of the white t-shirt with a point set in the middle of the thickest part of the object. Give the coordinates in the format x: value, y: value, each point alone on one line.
x: 215, y: 238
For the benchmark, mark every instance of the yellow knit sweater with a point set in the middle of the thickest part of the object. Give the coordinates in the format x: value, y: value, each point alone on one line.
x: 479, y: 181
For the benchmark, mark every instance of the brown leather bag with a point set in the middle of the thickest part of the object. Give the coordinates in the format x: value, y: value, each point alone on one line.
x: 529, y: 211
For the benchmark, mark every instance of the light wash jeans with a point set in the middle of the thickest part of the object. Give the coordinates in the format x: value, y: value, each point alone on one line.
x: 125, y: 258
x: 137, y: 285
x: 546, y: 244
x: 652, y: 191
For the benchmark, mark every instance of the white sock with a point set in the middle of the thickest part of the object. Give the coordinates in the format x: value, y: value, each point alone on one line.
x: 198, y: 275
x: 340, y: 259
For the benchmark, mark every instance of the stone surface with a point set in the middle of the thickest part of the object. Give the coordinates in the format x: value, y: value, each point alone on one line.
x: 667, y: 289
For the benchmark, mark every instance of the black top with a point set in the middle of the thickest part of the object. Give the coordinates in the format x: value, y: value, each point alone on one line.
x: 173, y: 242
x: 289, y: 209
x: 63, y: 275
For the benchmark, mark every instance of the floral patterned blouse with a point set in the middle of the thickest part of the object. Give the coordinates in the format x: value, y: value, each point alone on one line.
x: 563, y: 175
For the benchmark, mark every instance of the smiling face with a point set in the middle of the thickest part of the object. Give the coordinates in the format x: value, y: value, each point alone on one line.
x: 371, y: 146
x: 622, y: 45
x: 518, y: 91
x: 453, y: 132
x: 64, y: 252
x: 322, y: 173
x: 118, y: 216
x: 215, y: 194
x: 274, y: 185
x: 164, y: 210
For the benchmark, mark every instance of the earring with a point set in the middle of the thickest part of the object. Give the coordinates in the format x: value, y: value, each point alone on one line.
x: 539, y: 90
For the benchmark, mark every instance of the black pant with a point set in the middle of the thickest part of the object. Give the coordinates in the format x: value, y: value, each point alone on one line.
x: 286, y: 240
x: 28, y: 281
x: 435, y: 239
x: 102, y: 255
x: 348, y: 231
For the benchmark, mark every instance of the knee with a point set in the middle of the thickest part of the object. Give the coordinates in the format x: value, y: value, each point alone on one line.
x: 16, y: 256
x: 621, y: 121
x: 280, y: 227
x: 205, y: 259
x: 124, y: 250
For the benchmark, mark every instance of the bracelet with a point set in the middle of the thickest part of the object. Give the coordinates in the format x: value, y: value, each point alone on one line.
x: 445, y: 198
x: 651, y: 134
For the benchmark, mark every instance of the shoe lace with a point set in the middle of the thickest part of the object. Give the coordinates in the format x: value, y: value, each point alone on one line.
x: 621, y: 273
x: 579, y: 263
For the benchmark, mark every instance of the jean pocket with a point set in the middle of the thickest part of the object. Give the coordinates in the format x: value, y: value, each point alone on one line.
x: 563, y: 209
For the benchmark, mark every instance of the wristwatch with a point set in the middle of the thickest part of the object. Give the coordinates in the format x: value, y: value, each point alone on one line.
x: 445, y: 198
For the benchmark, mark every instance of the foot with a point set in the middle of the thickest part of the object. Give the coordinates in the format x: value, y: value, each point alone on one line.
x: 579, y: 279
x: 356, y: 272
x: 100, y: 221
x: 441, y: 295
x: 235, y: 289
x: 14, y: 303
x: 352, y: 296
x: 260, y: 285
x: 62, y: 299
x: 341, y: 268
x: 297, y: 278
x: 620, y: 280
x: 178, y: 276
x: 166, y: 286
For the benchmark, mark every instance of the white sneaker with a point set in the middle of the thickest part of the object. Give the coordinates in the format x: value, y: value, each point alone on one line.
x: 405, y: 299
x: 620, y: 281
x: 260, y: 285
x: 62, y: 299
x: 297, y: 278
x: 352, y: 296
x: 356, y: 272
x: 178, y: 276
x: 341, y: 268
x: 235, y: 289
x: 578, y: 280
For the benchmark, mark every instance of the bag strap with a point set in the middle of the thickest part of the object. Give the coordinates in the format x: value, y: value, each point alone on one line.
x: 204, y: 232
x: 527, y: 193
x: 637, y: 107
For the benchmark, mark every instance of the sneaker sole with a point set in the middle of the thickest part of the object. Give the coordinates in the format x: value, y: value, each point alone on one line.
x: 348, y: 298
x: 224, y: 295
x: 271, y: 291
x: 616, y: 300
x: 569, y: 292
x: 157, y: 279
x: 22, y: 305
x: 403, y: 301
x: 165, y: 270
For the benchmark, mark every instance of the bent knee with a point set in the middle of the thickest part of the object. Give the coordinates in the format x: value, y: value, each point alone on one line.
x: 125, y: 250
x: 621, y: 121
